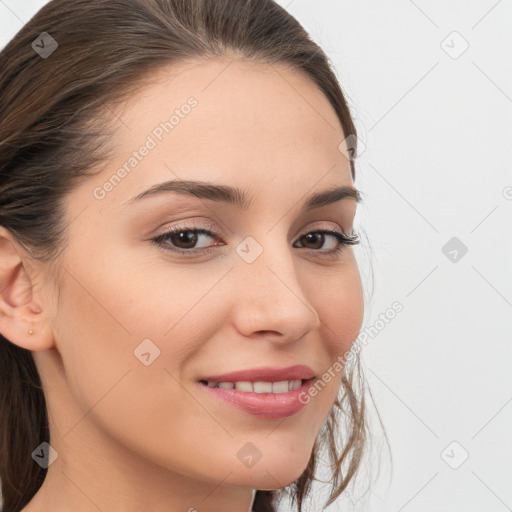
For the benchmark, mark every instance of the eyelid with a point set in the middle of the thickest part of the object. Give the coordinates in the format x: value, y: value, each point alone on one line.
x: 319, y: 226
x: 187, y: 226
x: 190, y: 225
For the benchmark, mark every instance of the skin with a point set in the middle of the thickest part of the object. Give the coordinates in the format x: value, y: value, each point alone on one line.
x: 131, y: 437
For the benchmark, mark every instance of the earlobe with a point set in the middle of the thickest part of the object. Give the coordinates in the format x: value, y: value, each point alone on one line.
x: 22, y: 319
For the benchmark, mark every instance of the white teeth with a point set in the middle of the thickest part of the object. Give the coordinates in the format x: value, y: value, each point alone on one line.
x: 259, y: 387
x: 262, y: 387
x: 280, y: 387
x: 243, y: 386
x: 294, y: 384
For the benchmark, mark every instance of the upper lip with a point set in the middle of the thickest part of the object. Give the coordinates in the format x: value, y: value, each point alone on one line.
x: 267, y: 374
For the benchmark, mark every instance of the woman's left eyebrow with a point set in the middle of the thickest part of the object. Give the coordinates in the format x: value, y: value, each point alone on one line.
x: 238, y: 197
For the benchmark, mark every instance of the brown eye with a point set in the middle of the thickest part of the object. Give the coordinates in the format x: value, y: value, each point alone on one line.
x: 184, y: 240
x: 317, y: 239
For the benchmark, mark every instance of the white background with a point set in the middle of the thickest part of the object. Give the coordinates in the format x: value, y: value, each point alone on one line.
x: 437, y: 132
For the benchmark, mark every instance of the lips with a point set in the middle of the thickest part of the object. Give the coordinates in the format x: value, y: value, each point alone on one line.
x: 254, y: 393
x: 263, y: 405
x: 266, y: 374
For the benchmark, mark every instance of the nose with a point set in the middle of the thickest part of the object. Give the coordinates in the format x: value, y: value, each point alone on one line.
x: 270, y: 302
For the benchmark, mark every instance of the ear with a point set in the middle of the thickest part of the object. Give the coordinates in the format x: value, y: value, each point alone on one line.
x: 19, y: 311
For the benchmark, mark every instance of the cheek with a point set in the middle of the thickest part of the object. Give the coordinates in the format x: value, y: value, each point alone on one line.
x: 340, y: 305
x: 133, y: 320
x: 337, y: 296
x: 124, y: 318
x: 143, y: 406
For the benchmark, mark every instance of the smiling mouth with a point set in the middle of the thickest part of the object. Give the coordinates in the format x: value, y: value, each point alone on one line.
x: 261, y: 387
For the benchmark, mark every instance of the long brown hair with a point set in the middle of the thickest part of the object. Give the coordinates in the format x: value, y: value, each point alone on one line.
x: 53, y: 131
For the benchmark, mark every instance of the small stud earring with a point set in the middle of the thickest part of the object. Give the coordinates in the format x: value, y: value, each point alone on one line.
x: 30, y: 331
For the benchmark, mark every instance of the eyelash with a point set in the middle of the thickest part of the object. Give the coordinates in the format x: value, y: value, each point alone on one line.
x: 342, y: 238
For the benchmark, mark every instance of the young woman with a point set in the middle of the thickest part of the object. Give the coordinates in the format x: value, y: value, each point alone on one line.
x: 178, y: 290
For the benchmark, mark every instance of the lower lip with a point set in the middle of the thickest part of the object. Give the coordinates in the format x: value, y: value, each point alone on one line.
x: 264, y: 405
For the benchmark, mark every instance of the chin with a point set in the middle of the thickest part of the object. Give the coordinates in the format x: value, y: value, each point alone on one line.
x: 274, y: 480
x: 274, y: 474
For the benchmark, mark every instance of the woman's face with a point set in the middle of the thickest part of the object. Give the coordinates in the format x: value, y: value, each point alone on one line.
x: 138, y: 325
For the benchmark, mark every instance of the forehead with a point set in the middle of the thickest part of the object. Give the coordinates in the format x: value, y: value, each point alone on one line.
x: 230, y: 121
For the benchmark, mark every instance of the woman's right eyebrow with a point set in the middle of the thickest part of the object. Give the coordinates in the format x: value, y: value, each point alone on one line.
x: 238, y: 197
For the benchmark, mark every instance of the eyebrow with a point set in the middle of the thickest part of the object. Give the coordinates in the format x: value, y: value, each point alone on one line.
x: 239, y: 198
